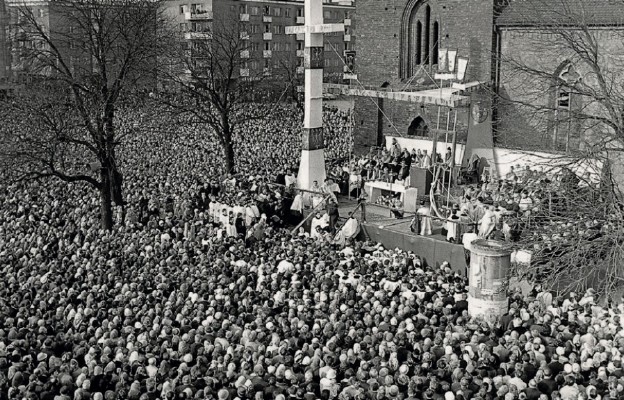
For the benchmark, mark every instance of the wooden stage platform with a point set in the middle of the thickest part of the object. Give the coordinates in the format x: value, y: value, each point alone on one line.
x: 392, y: 233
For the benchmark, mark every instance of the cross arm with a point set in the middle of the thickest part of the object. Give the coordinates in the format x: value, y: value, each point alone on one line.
x: 322, y: 28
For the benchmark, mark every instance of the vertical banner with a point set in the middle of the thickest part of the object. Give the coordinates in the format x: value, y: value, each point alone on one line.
x: 443, y: 60
x: 462, y: 65
x: 451, y: 60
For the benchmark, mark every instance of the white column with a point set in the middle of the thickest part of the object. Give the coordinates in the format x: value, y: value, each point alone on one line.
x: 312, y: 166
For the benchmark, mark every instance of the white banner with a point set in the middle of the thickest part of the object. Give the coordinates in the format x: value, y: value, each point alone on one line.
x: 451, y: 60
x: 443, y: 60
x: 462, y: 65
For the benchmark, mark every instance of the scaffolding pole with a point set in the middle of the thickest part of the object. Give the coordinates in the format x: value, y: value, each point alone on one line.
x: 452, y: 164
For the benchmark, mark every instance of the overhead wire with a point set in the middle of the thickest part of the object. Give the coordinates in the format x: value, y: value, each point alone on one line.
x: 364, y: 88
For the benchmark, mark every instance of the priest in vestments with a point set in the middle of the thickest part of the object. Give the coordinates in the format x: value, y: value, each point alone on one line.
x: 424, y: 213
x: 351, y: 228
x: 317, y: 221
x: 487, y: 223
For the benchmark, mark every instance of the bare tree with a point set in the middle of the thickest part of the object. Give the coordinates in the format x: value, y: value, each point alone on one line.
x: 220, y: 81
x: 289, y: 70
x: 81, y: 61
x: 559, y: 88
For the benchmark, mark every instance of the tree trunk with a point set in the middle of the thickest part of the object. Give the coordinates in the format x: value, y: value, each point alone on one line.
x: 228, y: 148
x: 106, y: 204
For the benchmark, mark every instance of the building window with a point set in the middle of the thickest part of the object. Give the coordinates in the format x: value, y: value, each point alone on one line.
x: 287, y: 12
x: 183, y: 8
x: 326, y: 62
x: 299, y: 12
x: 287, y: 47
x: 418, y: 127
x: 427, y: 34
x: 436, y: 43
x: 418, y: 45
x: 255, y: 10
x: 255, y: 46
x: 267, y: 28
x: 420, y: 37
x: 242, y: 8
x: 327, y: 14
x: 277, y: 12
x: 267, y: 10
x: 566, y: 131
x: 267, y: 45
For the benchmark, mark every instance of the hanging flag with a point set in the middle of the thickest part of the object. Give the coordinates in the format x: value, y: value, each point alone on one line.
x: 451, y: 60
x: 462, y: 65
x: 442, y: 60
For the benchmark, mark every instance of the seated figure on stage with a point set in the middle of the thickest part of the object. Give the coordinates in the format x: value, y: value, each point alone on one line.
x: 385, y: 176
x: 404, y: 171
x: 396, y: 208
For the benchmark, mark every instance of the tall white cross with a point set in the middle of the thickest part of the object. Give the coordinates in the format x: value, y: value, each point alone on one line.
x: 312, y: 165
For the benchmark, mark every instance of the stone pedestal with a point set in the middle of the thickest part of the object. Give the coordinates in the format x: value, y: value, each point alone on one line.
x: 311, y: 168
x: 488, y: 277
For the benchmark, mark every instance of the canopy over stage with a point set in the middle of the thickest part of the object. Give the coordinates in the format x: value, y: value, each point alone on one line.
x: 446, y: 96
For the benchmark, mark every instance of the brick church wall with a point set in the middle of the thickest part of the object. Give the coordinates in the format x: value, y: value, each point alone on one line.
x: 543, y: 52
x: 465, y: 26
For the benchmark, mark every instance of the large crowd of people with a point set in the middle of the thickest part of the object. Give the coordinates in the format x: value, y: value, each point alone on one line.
x: 200, y: 292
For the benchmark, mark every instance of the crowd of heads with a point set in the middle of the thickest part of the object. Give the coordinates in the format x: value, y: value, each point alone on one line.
x: 171, y: 304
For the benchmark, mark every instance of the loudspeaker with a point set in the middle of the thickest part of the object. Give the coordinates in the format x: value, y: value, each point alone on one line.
x: 421, y: 179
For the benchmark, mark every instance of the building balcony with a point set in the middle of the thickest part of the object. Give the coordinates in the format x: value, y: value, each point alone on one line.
x: 198, y: 15
x: 198, y: 36
x: 347, y: 38
x: 300, y: 70
x: 244, y: 54
x: 301, y: 20
x: 300, y: 36
x: 244, y: 35
x: 244, y: 17
x: 267, y: 36
x: 349, y: 76
x: 244, y: 72
x: 267, y: 53
x: 267, y: 18
x: 300, y: 53
x: 347, y: 22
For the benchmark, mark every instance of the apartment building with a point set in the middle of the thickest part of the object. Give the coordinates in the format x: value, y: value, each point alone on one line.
x: 264, y: 24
